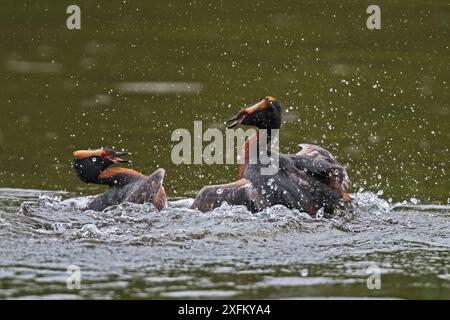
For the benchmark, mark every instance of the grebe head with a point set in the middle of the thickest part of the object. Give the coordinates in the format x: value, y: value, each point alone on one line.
x: 266, y: 114
x: 88, y: 164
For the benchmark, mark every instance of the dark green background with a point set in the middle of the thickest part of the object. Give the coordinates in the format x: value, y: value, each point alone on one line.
x: 389, y: 124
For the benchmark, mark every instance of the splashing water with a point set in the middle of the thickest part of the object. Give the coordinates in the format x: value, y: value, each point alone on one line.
x: 133, y: 251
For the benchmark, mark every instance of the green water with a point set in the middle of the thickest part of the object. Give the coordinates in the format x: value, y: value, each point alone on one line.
x: 389, y: 123
x: 378, y: 100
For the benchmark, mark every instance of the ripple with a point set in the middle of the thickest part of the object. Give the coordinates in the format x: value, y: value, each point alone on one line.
x: 195, y: 294
x: 158, y: 87
x: 34, y: 67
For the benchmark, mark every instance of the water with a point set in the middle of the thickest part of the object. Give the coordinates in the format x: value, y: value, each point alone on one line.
x: 132, y: 251
x: 138, y: 70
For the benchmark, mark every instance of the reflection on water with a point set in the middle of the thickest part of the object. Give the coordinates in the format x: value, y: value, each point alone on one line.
x: 133, y: 251
x: 159, y: 87
x: 33, y: 67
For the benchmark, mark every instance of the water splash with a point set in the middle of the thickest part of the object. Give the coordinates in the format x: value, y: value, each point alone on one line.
x: 274, y: 244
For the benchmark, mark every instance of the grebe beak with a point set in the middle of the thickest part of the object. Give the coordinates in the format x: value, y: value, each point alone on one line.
x: 237, y: 119
x: 115, y: 158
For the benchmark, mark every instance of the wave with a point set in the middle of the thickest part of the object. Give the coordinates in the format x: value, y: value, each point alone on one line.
x: 179, y: 251
x: 49, y: 213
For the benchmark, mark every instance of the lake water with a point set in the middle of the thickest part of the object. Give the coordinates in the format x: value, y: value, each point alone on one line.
x: 137, y: 71
x: 131, y: 251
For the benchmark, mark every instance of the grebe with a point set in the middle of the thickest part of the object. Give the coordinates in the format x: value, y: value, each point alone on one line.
x: 126, y: 185
x: 308, y: 180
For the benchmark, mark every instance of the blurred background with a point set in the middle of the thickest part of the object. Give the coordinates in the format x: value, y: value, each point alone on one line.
x: 378, y: 100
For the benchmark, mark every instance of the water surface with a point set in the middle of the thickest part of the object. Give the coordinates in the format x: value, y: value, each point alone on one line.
x: 379, y: 100
x: 132, y: 251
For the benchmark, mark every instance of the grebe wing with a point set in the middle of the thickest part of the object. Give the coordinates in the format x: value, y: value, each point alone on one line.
x: 240, y: 192
x: 151, y: 190
x: 321, y: 164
